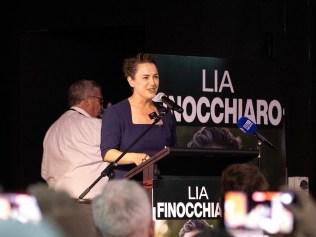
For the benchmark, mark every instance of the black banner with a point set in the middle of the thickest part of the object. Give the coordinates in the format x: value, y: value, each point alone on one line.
x: 216, y: 91
x: 186, y: 198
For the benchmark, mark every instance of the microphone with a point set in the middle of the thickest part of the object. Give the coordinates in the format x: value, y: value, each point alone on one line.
x: 249, y: 127
x: 161, y: 97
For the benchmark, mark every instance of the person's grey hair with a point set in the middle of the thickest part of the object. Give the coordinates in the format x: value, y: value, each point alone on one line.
x: 80, y: 90
x: 122, y: 209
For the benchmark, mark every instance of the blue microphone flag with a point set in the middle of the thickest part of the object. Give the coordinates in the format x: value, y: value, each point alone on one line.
x: 246, y: 125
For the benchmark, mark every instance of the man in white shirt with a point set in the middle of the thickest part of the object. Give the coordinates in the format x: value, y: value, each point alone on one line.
x: 72, y: 159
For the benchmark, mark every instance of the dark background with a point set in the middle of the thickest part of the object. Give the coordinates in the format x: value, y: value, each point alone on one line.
x: 47, y: 46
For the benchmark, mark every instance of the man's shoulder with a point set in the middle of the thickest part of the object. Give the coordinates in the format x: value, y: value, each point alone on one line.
x: 74, y: 118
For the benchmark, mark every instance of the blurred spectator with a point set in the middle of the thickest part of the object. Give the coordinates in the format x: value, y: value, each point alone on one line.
x: 193, y: 227
x: 73, y: 218
x: 12, y: 228
x: 304, y: 211
x: 214, y: 137
x: 243, y: 177
x: 123, y: 210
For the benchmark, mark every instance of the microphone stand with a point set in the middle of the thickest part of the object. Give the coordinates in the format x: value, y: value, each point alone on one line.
x: 259, y: 144
x: 262, y: 140
x: 266, y: 141
x: 109, y: 170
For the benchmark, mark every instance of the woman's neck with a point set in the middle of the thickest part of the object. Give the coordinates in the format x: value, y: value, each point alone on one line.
x: 140, y: 109
x: 140, y: 102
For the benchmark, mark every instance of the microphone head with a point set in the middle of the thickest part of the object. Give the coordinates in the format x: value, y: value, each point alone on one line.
x: 158, y: 97
x: 246, y: 125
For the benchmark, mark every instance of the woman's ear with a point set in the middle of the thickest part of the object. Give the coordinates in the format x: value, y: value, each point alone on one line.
x: 130, y: 81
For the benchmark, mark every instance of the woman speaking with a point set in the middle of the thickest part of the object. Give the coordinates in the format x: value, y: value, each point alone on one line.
x: 123, y: 122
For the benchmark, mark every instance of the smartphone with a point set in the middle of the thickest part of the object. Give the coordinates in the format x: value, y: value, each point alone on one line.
x: 259, y: 211
x: 19, y: 207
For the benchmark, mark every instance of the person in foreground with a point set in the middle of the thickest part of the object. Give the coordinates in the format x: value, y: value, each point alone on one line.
x: 123, y: 122
x: 71, y: 156
x: 244, y: 177
x: 12, y: 228
x: 123, y: 209
x: 69, y: 216
x: 304, y: 211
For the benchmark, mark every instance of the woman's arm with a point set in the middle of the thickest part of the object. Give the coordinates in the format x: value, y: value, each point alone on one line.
x: 128, y: 158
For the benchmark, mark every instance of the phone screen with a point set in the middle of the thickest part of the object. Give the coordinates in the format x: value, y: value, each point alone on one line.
x: 20, y: 207
x: 263, y: 211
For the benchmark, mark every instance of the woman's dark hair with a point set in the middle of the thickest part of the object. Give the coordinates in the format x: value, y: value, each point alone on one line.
x: 130, y: 64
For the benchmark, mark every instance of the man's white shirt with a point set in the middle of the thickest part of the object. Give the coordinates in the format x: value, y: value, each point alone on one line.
x: 72, y: 157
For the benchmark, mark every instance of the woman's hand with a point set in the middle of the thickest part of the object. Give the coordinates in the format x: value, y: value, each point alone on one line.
x: 140, y: 158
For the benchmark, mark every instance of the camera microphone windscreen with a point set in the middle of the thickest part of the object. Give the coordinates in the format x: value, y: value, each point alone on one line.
x: 246, y: 125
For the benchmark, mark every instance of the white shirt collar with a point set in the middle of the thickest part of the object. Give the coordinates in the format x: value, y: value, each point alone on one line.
x: 80, y: 110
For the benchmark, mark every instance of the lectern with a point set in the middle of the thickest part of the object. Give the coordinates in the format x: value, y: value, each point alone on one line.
x: 184, y: 183
x: 170, y: 162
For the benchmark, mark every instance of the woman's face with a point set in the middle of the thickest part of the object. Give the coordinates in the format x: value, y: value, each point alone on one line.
x: 146, y: 81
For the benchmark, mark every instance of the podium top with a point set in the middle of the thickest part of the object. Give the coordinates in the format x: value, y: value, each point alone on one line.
x: 241, y: 155
x: 194, y: 162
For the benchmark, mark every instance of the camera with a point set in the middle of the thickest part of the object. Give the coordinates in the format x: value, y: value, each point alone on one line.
x: 259, y: 211
x: 20, y: 207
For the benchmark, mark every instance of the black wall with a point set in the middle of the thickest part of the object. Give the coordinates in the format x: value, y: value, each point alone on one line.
x: 49, y: 46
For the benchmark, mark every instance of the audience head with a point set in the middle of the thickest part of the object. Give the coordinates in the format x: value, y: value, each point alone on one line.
x: 123, y: 210
x: 214, y: 137
x: 86, y: 94
x: 59, y: 208
x: 193, y: 227
x: 243, y: 177
x: 50, y: 201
